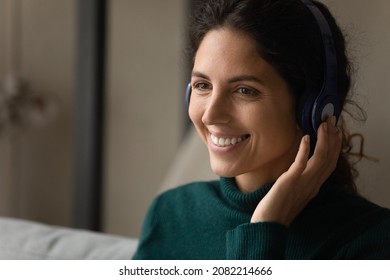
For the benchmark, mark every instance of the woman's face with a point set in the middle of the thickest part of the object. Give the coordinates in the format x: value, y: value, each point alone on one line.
x: 242, y: 110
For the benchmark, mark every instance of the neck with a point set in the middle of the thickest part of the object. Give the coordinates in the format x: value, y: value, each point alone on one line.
x: 250, y: 182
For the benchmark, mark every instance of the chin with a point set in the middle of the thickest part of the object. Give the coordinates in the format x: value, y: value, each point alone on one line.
x: 222, y: 171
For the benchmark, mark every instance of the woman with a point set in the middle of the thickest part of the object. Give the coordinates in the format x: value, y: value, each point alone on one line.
x: 255, y: 63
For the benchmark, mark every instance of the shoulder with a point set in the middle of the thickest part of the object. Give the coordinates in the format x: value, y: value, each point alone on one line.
x: 335, y: 210
x: 335, y: 199
x: 371, y: 236
x: 347, y: 226
x: 354, y: 212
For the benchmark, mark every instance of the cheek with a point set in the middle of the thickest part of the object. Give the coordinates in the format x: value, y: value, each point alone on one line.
x: 273, y: 124
x: 195, y: 113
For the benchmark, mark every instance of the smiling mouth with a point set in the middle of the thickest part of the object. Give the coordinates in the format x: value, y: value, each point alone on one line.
x: 225, y: 142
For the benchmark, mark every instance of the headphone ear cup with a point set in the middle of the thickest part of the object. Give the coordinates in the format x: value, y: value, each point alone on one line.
x: 318, y: 107
x: 188, y: 95
x: 325, y: 105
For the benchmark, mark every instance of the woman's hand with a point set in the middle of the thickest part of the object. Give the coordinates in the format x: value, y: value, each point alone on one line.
x: 302, y: 181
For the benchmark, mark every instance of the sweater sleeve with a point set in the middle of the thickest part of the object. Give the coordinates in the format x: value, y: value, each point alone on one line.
x: 251, y: 241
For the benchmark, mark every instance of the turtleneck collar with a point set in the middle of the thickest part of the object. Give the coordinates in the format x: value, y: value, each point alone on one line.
x: 246, y: 202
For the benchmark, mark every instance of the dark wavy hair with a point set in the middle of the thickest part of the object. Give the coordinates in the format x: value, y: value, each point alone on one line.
x: 287, y: 37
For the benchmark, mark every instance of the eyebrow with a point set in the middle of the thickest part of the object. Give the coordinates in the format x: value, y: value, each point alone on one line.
x: 235, y: 79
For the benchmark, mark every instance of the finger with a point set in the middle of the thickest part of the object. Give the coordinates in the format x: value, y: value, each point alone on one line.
x: 302, y: 156
x: 320, y: 156
x: 334, y: 134
x: 333, y: 149
x: 334, y: 144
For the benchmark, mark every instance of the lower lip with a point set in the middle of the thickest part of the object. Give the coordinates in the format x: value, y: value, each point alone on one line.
x: 230, y: 148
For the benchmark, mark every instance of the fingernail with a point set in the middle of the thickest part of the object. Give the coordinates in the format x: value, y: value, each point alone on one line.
x: 307, y: 139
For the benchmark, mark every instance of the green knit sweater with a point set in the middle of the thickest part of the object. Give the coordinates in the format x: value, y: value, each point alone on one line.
x: 210, y: 220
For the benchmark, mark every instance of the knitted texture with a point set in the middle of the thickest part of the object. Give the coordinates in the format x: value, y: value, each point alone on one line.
x: 210, y: 220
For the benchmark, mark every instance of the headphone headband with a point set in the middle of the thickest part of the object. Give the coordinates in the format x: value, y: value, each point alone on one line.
x: 325, y: 103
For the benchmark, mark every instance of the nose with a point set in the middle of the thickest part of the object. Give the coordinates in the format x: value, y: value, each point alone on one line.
x: 218, y: 108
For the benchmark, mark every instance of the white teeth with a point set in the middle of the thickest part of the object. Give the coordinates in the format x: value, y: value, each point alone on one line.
x: 223, y: 142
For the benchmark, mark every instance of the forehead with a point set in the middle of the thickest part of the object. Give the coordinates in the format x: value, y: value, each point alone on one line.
x: 227, y: 46
x: 225, y: 53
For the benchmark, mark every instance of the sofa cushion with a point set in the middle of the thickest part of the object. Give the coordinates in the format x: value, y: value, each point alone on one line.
x: 20, y: 239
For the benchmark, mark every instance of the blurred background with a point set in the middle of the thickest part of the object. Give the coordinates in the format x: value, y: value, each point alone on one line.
x: 92, y: 116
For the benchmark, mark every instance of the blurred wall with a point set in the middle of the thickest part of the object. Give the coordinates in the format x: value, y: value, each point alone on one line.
x: 144, y: 106
x: 4, y: 143
x: 144, y: 109
x: 35, y: 164
x: 366, y: 25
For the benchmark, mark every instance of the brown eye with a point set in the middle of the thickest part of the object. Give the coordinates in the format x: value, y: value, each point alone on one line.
x: 247, y: 91
x: 201, y: 86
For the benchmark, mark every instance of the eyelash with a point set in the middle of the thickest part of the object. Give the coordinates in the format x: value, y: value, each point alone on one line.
x: 203, y: 86
x: 252, y: 92
x: 197, y: 86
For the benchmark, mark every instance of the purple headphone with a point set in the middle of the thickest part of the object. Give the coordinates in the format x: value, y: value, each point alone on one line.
x: 319, y: 105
